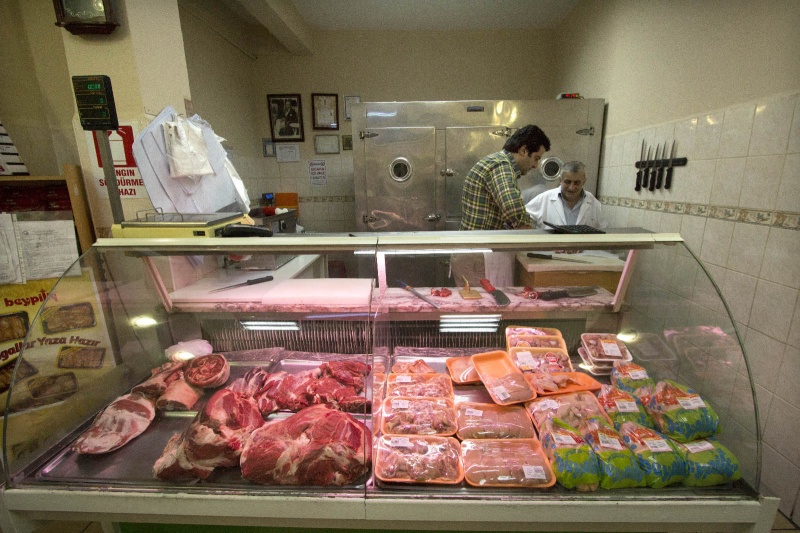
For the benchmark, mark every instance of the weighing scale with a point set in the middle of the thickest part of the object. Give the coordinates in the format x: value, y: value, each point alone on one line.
x: 175, y: 225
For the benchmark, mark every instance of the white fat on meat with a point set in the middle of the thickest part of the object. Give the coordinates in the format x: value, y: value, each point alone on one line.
x: 124, y: 419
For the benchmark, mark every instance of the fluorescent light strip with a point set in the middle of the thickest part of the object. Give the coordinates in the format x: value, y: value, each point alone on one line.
x: 470, y: 318
x: 467, y: 329
x: 424, y: 252
x: 262, y: 325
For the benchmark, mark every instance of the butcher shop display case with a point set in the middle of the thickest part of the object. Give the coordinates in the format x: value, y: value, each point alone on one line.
x: 317, y: 381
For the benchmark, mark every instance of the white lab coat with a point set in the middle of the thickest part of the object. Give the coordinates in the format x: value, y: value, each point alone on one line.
x: 547, y: 206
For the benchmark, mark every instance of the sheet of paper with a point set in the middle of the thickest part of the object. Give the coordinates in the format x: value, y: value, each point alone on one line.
x: 49, y: 247
x: 10, y: 266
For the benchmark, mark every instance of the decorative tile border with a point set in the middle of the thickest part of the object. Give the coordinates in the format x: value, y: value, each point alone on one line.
x: 734, y: 214
x: 325, y: 199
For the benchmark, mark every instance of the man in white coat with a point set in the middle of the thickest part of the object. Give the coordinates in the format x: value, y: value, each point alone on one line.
x: 568, y: 204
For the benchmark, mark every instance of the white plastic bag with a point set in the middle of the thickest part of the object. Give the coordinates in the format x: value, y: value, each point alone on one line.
x: 187, y: 154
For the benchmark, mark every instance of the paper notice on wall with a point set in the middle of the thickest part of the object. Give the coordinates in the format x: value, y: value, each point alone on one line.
x: 318, y: 172
x: 287, y: 153
x: 49, y: 247
x: 11, y: 270
x: 129, y: 181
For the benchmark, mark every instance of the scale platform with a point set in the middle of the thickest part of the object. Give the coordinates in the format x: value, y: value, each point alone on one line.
x: 175, y: 225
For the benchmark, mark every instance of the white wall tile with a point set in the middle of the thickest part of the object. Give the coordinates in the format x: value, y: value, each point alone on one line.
x: 783, y: 426
x: 794, y: 330
x: 670, y: 223
x: 747, y: 248
x: 700, y: 181
x: 772, y: 310
x: 684, y: 134
x: 794, y: 134
x: 789, y: 190
x: 631, y: 148
x: 781, y: 257
x: 789, y: 376
x: 728, y: 176
x: 717, y: 241
x: 762, y: 178
x: 617, y: 149
x: 771, y: 125
x: 664, y: 133
x: 737, y: 125
x: 738, y: 290
x: 764, y: 355
x: 692, y: 229
x: 707, y: 135
x: 779, y: 478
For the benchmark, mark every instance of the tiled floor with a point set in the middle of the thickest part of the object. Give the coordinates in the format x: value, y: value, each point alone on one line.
x: 781, y: 524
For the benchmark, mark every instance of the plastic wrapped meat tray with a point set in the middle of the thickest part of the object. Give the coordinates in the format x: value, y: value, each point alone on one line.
x: 418, y: 459
x: 547, y: 384
x: 502, y: 378
x: 573, y: 408
x: 506, y: 463
x: 419, y: 385
x: 419, y: 416
x: 531, y: 330
x: 462, y: 371
x: 540, y: 359
x: 605, y: 347
x: 536, y: 341
x: 490, y: 421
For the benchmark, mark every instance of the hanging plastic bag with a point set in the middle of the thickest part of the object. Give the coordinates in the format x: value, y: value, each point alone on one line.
x: 187, y: 154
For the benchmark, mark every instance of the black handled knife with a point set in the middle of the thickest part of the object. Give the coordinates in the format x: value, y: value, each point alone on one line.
x: 639, y: 173
x: 645, y: 170
x: 661, y: 164
x: 668, y: 179
x: 244, y: 283
x: 654, y: 172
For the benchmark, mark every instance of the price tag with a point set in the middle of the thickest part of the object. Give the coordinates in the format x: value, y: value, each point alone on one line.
x: 525, y: 361
x: 657, y: 445
x: 400, y: 442
x: 692, y: 402
x: 563, y: 438
x: 548, y: 404
x: 611, y: 349
x: 608, y: 441
x: 469, y: 411
x: 638, y: 374
x: 699, y: 446
x: 402, y: 379
x: 501, y: 393
x: 625, y: 406
x: 533, y: 472
x: 399, y: 404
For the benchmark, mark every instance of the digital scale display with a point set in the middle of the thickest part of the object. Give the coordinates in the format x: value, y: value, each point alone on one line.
x: 95, y: 101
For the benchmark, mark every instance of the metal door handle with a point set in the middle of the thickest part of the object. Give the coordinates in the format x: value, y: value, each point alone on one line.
x: 447, y: 172
x: 366, y: 219
x: 433, y: 217
x: 366, y: 134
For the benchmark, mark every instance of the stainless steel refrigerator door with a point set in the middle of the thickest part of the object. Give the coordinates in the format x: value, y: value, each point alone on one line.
x: 400, y: 186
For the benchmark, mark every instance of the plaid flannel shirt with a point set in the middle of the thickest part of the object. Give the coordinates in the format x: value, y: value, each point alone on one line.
x: 491, y: 199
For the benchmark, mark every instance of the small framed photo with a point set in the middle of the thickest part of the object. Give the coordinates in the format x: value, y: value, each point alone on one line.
x: 326, y: 144
x: 268, y: 147
x: 326, y: 111
x: 348, y: 102
x: 347, y: 142
x: 285, y: 117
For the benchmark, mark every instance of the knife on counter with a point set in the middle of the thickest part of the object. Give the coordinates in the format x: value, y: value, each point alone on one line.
x: 415, y: 292
x: 668, y: 179
x: 253, y: 281
x: 499, y: 296
x: 554, y: 258
x: 654, y: 172
x: 641, y: 170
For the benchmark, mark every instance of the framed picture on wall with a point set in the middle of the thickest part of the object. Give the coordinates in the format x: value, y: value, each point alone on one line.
x: 348, y: 103
x: 285, y: 117
x: 326, y: 111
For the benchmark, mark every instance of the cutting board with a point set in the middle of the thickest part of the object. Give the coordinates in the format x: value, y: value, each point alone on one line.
x: 321, y: 291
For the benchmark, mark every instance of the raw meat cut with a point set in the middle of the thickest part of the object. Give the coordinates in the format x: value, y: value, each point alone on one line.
x: 416, y: 367
x: 159, y: 379
x: 179, y: 396
x: 208, y: 371
x: 215, y: 438
x: 124, y: 419
x: 349, y: 373
x: 317, y: 446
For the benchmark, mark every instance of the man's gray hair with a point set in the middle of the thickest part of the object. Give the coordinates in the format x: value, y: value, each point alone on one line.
x: 573, y: 167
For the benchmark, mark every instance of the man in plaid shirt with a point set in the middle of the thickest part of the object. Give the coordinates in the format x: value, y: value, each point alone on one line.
x: 491, y: 199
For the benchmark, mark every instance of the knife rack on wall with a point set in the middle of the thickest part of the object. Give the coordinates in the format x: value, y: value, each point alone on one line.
x: 653, y: 173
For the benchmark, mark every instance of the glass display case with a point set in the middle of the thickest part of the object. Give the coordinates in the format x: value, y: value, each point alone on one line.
x: 439, y: 380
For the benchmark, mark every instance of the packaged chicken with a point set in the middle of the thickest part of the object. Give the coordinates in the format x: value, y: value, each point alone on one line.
x: 574, y: 462
x: 419, y: 385
x: 540, y: 359
x: 502, y: 378
x: 418, y: 459
x: 621, y: 406
x: 574, y: 408
x: 657, y: 455
x: 536, y: 341
x: 605, y: 347
x: 547, y: 384
x: 619, y: 468
x: 419, y: 416
x: 708, y: 463
x: 630, y: 377
x: 462, y: 371
x: 491, y: 421
x: 531, y: 330
x: 506, y: 463
x: 680, y: 413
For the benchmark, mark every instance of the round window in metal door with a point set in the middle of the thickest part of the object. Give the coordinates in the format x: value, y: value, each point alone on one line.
x: 550, y: 168
x: 400, y: 169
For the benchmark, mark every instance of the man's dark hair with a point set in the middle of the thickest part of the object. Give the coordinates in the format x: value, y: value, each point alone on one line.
x: 530, y: 136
